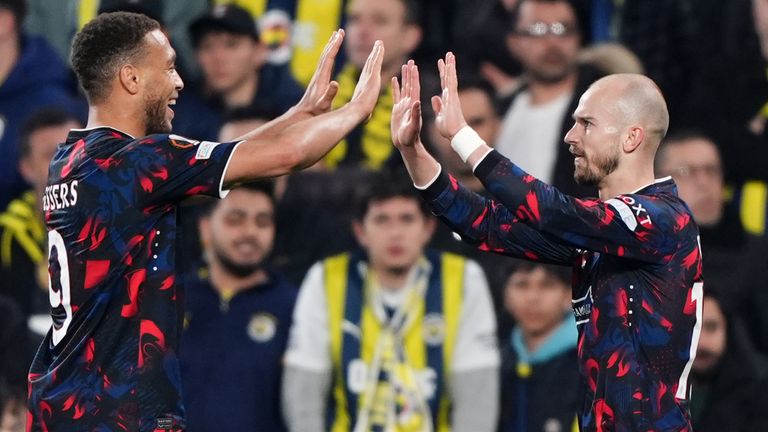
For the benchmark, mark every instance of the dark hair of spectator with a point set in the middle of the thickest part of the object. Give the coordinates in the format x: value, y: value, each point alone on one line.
x: 384, y: 186
x: 412, y: 11
x: 561, y: 273
x: 679, y: 137
x: 45, y: 118
x: 104, y: 45
x: 18, y: 8
x: 267, y: 187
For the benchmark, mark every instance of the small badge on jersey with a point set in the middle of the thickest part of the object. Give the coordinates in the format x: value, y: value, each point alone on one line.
x: 434, y: 329
x: 262, y: 327
x: 205, y: 150
x: 164, y: 423
x: 582, y: 307
x: 181, y: 142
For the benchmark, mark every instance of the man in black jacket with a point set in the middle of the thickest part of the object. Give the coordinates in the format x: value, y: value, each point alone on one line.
x: 730, y: 379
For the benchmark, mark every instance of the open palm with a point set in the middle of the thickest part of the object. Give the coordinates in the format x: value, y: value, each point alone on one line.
x: 406, y: 111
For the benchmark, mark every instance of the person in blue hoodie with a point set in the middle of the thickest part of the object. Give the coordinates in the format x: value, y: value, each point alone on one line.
x: 32, y: 76
x: 539, y: 370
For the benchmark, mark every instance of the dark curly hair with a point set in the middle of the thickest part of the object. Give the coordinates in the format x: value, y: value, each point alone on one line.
x: 104, y: 45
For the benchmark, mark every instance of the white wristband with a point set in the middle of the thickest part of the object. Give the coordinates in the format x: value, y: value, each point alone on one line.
x: 465, y: 142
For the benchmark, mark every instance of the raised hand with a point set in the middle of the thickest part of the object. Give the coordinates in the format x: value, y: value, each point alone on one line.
x: 406, y: 111
x: 369, y: 84
x: 449, y: 119
x: 321, y: 90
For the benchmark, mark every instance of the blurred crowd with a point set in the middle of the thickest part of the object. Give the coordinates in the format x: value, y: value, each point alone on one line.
x: 313, y: 299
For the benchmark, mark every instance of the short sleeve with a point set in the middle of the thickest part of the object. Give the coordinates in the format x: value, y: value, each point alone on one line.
x: 168, y: 168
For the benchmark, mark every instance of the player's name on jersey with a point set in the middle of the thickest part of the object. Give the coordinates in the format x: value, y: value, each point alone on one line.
x: 60, y: 196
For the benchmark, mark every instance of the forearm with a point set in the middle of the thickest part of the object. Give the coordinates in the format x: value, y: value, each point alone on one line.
x: 475, y: 400
x: 303, y: 399
x: 422, y: 167
x: 294, y: 147
x: 488, y: 225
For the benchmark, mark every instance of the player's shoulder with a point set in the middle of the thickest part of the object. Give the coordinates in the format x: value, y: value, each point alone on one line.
x: 654, y: 206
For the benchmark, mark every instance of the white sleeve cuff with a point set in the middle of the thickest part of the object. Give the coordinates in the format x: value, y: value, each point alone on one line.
x: 429, y: 183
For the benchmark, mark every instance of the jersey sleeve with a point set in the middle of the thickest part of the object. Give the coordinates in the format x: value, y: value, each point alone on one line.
x: 168, y: 168
x: 631, y: 225
x: 490, y: 226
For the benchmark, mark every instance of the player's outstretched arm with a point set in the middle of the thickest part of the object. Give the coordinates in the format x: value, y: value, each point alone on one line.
x: 292, y: 146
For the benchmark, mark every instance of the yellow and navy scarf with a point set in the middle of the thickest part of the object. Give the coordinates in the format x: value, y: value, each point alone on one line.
x: 370, y: 144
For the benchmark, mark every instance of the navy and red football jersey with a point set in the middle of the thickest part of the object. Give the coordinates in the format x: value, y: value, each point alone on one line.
x: 637, y: 283
x: 109, y: 361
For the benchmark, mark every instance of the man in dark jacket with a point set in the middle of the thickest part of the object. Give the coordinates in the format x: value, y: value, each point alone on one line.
x: 237, y: 320
x: 540, y: 377
x: 31, y: 77
x: 730, y: 379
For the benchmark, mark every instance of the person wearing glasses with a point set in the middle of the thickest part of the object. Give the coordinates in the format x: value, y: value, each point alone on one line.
x: 545, y: 36
x: 733, y: 257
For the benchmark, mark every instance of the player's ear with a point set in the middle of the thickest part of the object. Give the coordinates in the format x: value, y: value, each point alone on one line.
x: 129, y: 78
x: 633, y: 139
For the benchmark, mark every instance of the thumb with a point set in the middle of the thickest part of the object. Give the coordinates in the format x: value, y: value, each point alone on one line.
x: 330, y: 92
x: 437, y: 104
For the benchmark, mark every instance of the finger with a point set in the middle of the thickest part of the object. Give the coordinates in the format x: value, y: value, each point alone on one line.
x: 451, y: 79
x: 378, y: 59
x: 416, y: 112
x: 327, y: 58
x: 395, y: 90
x: 371, y: 58
x: 437, y: 105
x: 330, y: 93
x: 407, y: 79
x: 441, y: 69
x: 416, y: 85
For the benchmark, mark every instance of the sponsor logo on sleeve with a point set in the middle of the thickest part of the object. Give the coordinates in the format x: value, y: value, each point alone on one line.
x: 631, y: 211
x: 205, y: 150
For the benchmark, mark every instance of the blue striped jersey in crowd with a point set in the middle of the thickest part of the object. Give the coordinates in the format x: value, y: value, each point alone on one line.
x: 637, y: 283
x: 109, y: 362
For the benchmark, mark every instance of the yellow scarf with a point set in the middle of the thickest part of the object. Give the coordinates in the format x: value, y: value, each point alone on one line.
x: 375, y: 138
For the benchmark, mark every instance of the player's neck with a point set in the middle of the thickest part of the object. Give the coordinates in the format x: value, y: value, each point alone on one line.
x: 625, y: 181
x: 117, y: 117
x: 10, y: 50
x: 225, y: 281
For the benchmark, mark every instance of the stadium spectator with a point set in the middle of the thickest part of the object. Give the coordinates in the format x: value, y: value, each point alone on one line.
x: 637, y: 276
x: 729, y: 377
x: 111, y: 205
x: 392, y: 337
x: 23, y: 237
x: 545, y: 36
x: 235, y: 74
x: 731, y: 256
x: 31, y: 77
x: 539, y: 372
x: 237, y: 320
x: 396, y: 22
